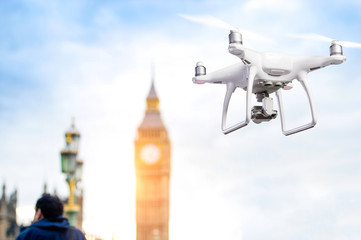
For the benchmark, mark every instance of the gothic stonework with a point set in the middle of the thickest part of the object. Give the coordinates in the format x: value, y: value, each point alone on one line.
x: 8, y: 226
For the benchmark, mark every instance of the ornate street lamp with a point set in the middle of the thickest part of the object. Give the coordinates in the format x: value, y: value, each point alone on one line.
x: 73, y: 170
x: 79, y: 170
x: 68, y: 161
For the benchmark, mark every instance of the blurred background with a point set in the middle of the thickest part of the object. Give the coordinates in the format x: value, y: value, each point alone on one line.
x: 91, y: 61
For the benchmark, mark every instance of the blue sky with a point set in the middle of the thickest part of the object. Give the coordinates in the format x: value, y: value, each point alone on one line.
x: 92, y: 60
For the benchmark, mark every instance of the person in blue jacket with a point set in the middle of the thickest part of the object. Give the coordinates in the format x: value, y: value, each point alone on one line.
x: 49, y: 222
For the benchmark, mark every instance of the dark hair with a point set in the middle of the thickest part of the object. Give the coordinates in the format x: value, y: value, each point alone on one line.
x: 50, y: 206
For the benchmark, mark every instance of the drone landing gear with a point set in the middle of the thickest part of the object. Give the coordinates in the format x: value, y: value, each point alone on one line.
x: 265, y: 112
x: 303, y: 80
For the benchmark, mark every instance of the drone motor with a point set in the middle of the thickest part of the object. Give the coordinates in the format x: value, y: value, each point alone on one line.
x: 335, y: 48
x: 235, y: 37
x: 200, y: 69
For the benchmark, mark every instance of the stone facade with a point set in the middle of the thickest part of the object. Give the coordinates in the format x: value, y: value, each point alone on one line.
x: 8, y: 226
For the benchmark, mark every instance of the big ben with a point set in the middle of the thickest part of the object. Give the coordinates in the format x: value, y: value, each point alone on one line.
x: 152, y: 170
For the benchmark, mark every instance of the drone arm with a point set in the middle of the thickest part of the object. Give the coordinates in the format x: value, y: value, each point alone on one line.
x: 234, y: 73
x: 303, y: 80
x: 311, y: 63
x: 230, y: 89
x: 236, y: 49
x: 245, y: 54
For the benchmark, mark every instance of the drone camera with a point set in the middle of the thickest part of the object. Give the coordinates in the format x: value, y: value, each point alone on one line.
x: 259, y: 114
x: 235, y: 37
x: 200, y: 69
x: 335, y: 48
x: 265, y: 112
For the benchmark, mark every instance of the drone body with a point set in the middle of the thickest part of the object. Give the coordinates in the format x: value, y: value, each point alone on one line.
x: 264, y: 73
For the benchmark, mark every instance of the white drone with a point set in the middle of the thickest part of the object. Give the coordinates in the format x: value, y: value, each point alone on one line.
x: 264, y: 73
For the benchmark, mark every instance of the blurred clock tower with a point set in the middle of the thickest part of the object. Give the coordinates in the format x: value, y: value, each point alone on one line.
x: 152, y: 170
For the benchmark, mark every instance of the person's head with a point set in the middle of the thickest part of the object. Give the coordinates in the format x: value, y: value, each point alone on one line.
x: 49, y: 206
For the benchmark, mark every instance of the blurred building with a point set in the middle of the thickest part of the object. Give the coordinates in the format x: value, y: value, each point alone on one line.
x: 79, y: 217
x: 8, y: 226
x: 152, y: 168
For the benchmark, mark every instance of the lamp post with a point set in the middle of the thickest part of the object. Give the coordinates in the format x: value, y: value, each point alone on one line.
x: 72, y: 167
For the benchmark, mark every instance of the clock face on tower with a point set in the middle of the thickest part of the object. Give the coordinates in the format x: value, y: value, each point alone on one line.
x: 150, y: 154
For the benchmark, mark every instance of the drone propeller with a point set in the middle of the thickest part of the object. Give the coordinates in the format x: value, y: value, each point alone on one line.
x: 208, y: 20
x: 216, y: 22
x: 319, y: 37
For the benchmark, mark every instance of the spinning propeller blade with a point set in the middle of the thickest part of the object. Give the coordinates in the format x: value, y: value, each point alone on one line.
x: 319, y: 37
x: 216, y: 22
x: 208, y: 20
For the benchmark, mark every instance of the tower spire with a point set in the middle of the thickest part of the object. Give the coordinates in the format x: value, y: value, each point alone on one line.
x: 152, y: 99
x: 152, y: 93
x: 152, y: 71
